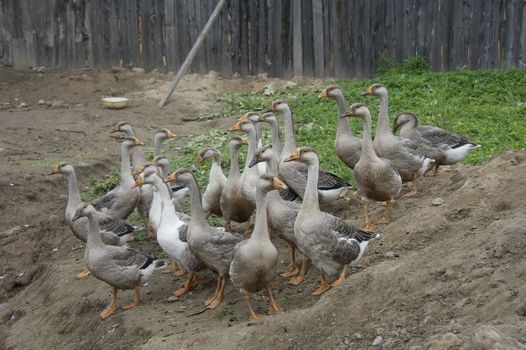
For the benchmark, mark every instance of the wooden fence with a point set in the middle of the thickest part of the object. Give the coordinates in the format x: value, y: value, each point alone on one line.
x: 283, y: 38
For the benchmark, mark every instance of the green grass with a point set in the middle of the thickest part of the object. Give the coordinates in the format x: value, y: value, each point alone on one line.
x: 489, y: 107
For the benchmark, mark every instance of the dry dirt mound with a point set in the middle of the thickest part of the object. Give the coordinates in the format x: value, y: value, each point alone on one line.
x: 442, y: 277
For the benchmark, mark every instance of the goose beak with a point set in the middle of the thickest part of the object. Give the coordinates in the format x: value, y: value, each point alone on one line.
x: 244, y: 117
x: 116, y: 128
x: 137, y: 171
x: 278, y: 184
x: 139, y: 182
x: 395, y: 127
x: 55, y: 170
x: 236, y: 127
x: 137, y: 142
x: 199, y: 160
x: 253, y: 162
x: 294, y: 156
x: 169, y: 134
x: 171, y: 178
x: 347, y: 114
x: 368, y: 92
x: 323, y: 94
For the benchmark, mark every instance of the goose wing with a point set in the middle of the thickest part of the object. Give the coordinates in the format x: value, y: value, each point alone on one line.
x: 438, y: 136
x: 114, y: 224
x: 129, y: 257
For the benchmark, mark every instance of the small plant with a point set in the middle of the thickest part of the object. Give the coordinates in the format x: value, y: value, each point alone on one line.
x: 387, y: 63
x: 416, y: 65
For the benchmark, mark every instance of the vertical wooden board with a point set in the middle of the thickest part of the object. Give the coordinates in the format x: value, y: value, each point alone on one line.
x: 317, y: 30
x: 435, y: 36
x: 243, y: 50
x: 114, y: 49
x: 235, y: 31
x: 274, y: 51
x: 368, y: 40
x: 226, y: 66
x: 307, y: 38
x: 253, y: 36
x: 158, y: 18
x: 328, y: 66
x: 200, y: 57
x: 337, y: 58
x: 297, y: 44
x: 473, y: 39
x: 522, y: 54
x: 457, y: 32
x: 286, y: 39
x: 170, y: 35
x: 508, y: 37
x: 420, y: 27
x: 495, y: 44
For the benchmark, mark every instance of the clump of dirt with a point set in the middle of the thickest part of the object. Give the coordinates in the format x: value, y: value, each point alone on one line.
x: 448, y: 275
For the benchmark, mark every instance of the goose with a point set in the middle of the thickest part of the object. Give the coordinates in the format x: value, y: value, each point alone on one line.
x: 272, y: 121
x: 254, y: 263
x: 122, y: 200
x: 138, y: 161
x: 328, y: 241
x: 115, y: 231
x: 294, y: 175
x: 120, y: 267
x: 253, y: 117
x: 281, y: 215
x: 234, y: 203
x: 404, y: 154
x: 446, y: 147
x: 171, y: 232
x: 176, y: 192
x: 138, y: 158
x: 250, y: 175
x: 376, y: 178
x: 348, y: 147
x: 216, y: 181
x: 213, y: 246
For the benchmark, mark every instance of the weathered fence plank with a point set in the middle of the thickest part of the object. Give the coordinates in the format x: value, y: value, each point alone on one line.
x: 309, y: 37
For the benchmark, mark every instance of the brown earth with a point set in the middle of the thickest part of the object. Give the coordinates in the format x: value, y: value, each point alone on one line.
x: 441, y: 277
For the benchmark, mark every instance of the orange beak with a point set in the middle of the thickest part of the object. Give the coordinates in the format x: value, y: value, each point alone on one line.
x: 278, y: 184
x: 170, y: 134
x: 236, y: 127
x: 137, y: 142
x: 323, y: 94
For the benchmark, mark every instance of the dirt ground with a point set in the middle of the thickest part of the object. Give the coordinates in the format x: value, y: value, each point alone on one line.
x: 441, y: 277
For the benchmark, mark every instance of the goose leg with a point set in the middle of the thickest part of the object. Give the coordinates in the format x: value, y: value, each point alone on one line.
x: 176, y: 271
x: 293, y: 268
x: 150, y: 233
x: 209, y: 300
x: 436, y: 170
x: 273, y: 308
x: 429, y: 168
x: 110, y: 309
x: 413, y: 190
x: 84, y: 273
x: 136, y: 302
x: 188, y: 284
x: 341, y: 278
x: 253, y: 315
x: 384, y: 219
x: 299, y: 278
x: 219, y: 297
x: 368, y: 225
x: 323, y: 287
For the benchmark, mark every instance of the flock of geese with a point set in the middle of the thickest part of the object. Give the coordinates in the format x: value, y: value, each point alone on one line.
x: 282, y: 184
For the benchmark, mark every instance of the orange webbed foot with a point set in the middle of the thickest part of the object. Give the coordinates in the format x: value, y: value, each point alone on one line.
x: 369, y: 227
x: 274, y: 308
x: 322, y: 289
x: 410, y: 194
x: 107, y: 312
x: 291, y: 272
x: 384, y: 220
x: 296, y: 280
x: 84, y: 273
x: 131, y: 305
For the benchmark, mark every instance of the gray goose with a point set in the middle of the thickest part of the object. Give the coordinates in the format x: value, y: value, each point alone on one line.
x: 272, y: 121
x: 115, y: 231
x: 253, y: 266
x: 376, y: 178
x: 213, y: 246
x: 348, y: 147
x: 405, y: 155
x: 122, y: 200
x: 294, y: 175
x: 216, y: 181
x: 281, y: 215
x: 445, y: 147
x: 120, y: 267
x: 328, y: 241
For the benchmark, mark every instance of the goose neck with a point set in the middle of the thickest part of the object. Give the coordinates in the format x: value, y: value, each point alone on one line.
x: 310, y: 198
x: 383, y: 116
x: 126, y: 172
x: 290, y: 140
x: 343, y: 124
x: 73, y: 195
x: 260, y: 232
x: 94, y: 240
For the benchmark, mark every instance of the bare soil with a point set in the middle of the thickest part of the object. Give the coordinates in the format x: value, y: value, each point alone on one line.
x: 450, y: 276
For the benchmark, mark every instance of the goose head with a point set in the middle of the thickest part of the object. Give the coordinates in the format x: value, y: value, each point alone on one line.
x: 84, y: 209
x: 332, y: 91
x: 252, y: 116
x: 262, y: 154
x: 269, y: 118
x: 357, y: 110
x: 164, y: 134
x: 181, y: 176
x: 405, y: 118
x: 375, y: 90
x: 267, y: 183
x: 207, y: 153
x: 245, y: 126
x: 161, y: 161
x: 279, y: 106
x: 130, y: 142
x: 146, y: 176
x: 305, y: 155
x: 124, y: 127
x: 62, y: 168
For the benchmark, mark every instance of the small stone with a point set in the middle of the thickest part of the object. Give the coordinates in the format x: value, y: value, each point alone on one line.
x: 58, y: 104
x: 416, y: 347
x: 358, y: 336
x: 437, y: 202
x: 41, y: 102
x: 498, y: 251
x: 390, y: 254
x: 378, y: 341
x: 22, y: 105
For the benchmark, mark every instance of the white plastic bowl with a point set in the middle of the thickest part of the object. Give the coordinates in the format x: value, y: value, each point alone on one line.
x: 115, y: 102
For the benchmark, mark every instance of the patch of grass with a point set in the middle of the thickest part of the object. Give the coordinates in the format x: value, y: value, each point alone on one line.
x: 98, y: 187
